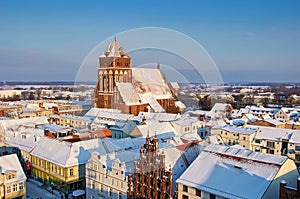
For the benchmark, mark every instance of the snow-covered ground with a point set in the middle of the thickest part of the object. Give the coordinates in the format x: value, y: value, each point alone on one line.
x: 35, y: 190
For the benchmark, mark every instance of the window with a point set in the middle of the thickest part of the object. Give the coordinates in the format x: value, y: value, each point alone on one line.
x: 21, y: 186
x: 297, y: 157
x: 198, y: 193
x: 297, y: 148
x: 8, y: 190
x: 92, y: 184
x: 71, y: 172
x: 185, y: 197
x: 11, y: 176
x: 212, y: 196
x: 109, y: 192
x: 15, y: 187
x: 270, y: 144
x: 244, y: 138
x: 120, y: 195
x: 257, y: 141
x: 185, y: 188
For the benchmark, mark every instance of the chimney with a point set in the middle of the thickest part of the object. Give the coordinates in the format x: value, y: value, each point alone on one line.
x: 298, y: 187
x: 282, y: 189
x: 158, y: 66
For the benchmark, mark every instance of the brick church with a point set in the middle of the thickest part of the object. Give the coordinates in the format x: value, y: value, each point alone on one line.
x: 130, y: 90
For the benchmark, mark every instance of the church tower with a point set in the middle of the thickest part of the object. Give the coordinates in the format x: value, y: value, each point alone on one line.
x: 114, y: 66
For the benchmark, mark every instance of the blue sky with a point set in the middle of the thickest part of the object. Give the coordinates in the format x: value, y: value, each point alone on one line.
x: 250, y: 40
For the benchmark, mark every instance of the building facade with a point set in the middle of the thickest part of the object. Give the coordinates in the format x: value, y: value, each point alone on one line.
x: 12, y: 178
x: 222, y: 172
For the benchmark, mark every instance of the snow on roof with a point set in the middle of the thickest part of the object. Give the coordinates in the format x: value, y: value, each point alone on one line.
x: 69, y: 154
x: 186, y: 121
x: 250, y: 117
x: 218, y: 110
x: 25, y: 142
x: 11, y: 125
x: 162, y: 117
x: 273, y: 121
x: 148, y: 98
x: 180, y: 104
x: 240, y: 130
x: 218, y: 170
x: 114, y: 49
x: 150, y: 80
x: 175, y: 85
x: 216, y: 123
x: 151, y: 127
x: 75, y: 117
x: 11, y: 163
x: 95, y: 111
x: 295, y: 137
x: 53, y: 127
x: 272, y: 133
x: 128, y: 93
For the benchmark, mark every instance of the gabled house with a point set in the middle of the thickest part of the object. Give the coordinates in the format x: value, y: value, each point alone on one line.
x: 12, y: 178
x: 234, y: 172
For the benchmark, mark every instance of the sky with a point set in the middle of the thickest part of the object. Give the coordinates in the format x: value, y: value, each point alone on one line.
x: 249, y: 41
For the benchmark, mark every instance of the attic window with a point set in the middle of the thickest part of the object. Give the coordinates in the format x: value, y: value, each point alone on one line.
x: 238, y: 167
x: 103, y: 166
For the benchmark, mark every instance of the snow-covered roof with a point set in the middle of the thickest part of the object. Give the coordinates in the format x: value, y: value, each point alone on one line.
x: 9, y: 126
x: 110, y: 114
x: 70, y: 154
x: 273, y: 121
x: 53, y: 127
x: 272, y: 133
x: 23, y: 141
x: 10, y: 163
x: 240, y: 130
x: 128, y: 93
x: 219, y: 170
x: 75, y: 117
x: 150, y: 80
x: 180, y: 104
x: 151, y: 127
x: 295, y: 137
x: 95, y: 111
x: 174, y: 85
x: 114, y: 49
x: 186, y: 121
x: 218, y: 111
x: 162, y: 117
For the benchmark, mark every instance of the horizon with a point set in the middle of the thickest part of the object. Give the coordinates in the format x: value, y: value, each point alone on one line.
x: 249, y: 41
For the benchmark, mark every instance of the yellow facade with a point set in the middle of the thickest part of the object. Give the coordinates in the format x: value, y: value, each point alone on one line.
x: 14, y: 189
x: 64, y: 178
x: 232, y: 138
